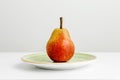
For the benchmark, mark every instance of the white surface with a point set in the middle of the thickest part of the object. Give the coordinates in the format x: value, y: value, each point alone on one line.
x: 106, y: 67
x: 25, y: 25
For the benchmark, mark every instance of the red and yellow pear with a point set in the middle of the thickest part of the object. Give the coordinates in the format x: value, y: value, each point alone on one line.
x: 60, y: 47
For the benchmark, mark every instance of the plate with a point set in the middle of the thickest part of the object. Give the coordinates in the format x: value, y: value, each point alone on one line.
x: 41, y: 60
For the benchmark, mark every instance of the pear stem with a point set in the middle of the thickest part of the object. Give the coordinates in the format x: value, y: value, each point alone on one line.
x: 61, y: 21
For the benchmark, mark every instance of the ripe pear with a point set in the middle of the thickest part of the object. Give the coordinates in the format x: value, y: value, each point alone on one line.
x: 60, y: 47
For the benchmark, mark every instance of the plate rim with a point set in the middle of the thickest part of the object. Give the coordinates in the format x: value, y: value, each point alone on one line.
x: 52, y: 62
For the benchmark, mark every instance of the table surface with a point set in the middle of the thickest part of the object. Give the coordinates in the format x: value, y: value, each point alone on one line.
x: 107, y: 66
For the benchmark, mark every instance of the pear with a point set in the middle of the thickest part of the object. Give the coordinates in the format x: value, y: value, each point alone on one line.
x: 60, y: 47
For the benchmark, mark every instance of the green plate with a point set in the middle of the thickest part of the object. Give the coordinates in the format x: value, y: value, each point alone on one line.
x: 43, y: 61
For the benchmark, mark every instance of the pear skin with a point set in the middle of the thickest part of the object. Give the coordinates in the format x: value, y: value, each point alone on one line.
x: 60, y: 47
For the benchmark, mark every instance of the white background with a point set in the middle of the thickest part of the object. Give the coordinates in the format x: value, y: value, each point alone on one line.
x: 26, y: 25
